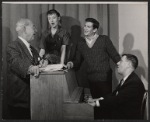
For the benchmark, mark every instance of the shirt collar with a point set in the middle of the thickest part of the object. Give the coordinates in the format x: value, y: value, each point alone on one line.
x: 24, y: 41
x: 58, y: 29
x: 91, y: 39
x: 126, y: 77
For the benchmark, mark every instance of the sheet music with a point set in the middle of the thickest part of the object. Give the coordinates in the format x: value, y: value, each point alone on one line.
x: 53, y: 67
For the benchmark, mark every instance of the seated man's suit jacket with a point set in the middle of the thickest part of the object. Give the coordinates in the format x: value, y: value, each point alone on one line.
x: 19, y: 60
x: 125, y: 101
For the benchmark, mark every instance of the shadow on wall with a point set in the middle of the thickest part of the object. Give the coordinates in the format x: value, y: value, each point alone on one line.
x: 142, y: 69
x: 68, y: 22
x: 73, y: 26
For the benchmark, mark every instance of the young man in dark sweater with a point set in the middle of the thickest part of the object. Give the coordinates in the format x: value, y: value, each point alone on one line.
x: 96, y: 50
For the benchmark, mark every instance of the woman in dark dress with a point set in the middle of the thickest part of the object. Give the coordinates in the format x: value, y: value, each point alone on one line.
x: 54, y: 40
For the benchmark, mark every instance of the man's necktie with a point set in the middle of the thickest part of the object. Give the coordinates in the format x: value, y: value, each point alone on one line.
x: 121, y: 82
x: 35, y: 61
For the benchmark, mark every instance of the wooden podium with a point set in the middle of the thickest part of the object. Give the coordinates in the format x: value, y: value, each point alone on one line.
x: 57, y: 96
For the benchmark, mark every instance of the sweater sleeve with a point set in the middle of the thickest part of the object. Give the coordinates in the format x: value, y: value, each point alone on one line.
x: 111, y: 50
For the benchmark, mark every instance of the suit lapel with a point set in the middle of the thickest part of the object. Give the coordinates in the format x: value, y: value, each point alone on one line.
x: 35, y: 56
x: 124, y: 84
x: 118, y: 87
x: 128, y: 79
x: 23, y: 46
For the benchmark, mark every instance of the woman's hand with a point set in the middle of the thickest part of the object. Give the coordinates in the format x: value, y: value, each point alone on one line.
x: 43, y: 63
x: 69, y: 65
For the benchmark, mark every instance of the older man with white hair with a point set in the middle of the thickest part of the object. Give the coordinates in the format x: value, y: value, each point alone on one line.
x: 23, y: 60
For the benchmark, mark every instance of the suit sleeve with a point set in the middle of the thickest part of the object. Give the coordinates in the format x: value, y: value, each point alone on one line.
x: 131, y: 92
x: 111, y: 50
x: 16, y: 62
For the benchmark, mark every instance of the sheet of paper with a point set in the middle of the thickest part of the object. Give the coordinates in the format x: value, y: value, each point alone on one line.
x: 53, y: 67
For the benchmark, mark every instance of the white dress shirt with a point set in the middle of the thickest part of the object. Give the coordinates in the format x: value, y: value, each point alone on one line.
x: 90, y: 41
x: 26, y: 43
x: 125, y: 79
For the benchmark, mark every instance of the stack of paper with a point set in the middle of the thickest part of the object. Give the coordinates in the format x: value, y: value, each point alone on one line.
x: 53, y: 67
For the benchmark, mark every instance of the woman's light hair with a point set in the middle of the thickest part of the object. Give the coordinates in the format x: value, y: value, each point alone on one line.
x: 23, y: 22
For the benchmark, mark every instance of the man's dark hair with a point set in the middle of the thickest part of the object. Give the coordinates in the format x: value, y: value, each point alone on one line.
x: 133, y: 59
x: 53, y: 11
x: 94, y: 21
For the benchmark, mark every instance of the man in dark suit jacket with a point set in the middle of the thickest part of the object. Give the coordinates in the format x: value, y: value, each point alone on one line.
x: 125, y: 101
x: 23, y: 60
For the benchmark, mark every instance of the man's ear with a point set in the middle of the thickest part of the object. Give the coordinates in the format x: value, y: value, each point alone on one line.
x: 95, y: 30
x: 24, y: 29
x: 129, y: 64
x: 59, y: 18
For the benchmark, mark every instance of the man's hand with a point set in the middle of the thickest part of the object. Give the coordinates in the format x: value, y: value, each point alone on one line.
x: 94, y: 102
x: 91, y: 100
x: 34, y: 70
x: 69, y: 65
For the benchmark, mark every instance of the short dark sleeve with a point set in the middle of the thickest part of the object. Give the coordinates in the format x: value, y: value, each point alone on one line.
x: 112, y: 50
x: 65, y: 37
